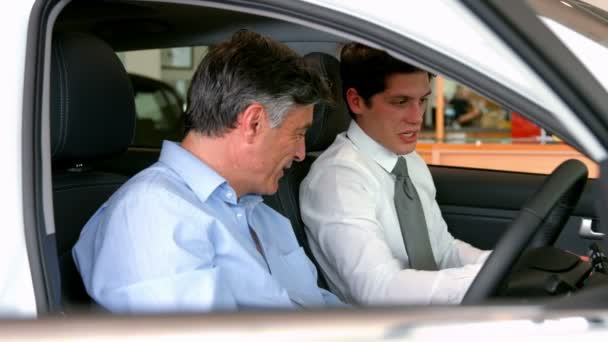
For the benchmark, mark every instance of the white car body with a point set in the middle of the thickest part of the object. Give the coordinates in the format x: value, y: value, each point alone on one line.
x: 17, y: 293
x: 484, y: 52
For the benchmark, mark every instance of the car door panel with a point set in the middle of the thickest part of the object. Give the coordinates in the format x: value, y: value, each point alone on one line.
x: 479, y: 205
x: 481, y: 227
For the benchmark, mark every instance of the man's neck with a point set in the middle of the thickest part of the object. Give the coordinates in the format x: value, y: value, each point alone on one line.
x: 219, y: 153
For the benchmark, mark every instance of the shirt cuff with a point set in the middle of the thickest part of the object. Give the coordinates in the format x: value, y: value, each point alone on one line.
x: 483, y: 257
x: 452, y: 284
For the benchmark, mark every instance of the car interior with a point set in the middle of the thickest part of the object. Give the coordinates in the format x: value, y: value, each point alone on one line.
x: 94, y: 126
x: 84, y: 140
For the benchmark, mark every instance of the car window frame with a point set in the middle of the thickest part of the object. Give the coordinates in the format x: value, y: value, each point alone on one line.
x: 39, y: 196
x: 565, y: 74
x: 36, y: 159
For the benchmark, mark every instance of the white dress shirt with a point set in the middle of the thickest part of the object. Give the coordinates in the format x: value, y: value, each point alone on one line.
x: 353, y: 230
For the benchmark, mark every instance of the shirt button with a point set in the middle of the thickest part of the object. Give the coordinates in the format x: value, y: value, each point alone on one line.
x: 239, y: 215
x: 229, y: 194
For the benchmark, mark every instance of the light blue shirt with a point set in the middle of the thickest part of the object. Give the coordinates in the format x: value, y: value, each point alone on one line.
x: 176, y: 238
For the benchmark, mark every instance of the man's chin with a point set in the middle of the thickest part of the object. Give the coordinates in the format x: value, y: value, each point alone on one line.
x: 271, y: 190
x: 272, y: 186
x: 405, y: 149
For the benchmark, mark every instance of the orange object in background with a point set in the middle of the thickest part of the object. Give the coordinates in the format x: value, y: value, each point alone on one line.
x: 523, y: 128
x: 522, y: 157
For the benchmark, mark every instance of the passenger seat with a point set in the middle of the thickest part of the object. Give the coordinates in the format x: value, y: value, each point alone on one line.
x: 92, y: 118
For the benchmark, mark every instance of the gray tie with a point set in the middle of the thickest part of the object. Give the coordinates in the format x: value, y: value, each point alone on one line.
x: 411, y: 219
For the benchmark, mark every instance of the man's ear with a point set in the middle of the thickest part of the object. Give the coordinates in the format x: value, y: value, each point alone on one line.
x: 354, y: 101
x: 251, y: 121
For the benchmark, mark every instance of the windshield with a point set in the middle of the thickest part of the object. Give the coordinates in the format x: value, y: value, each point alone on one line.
x: 583, y: 27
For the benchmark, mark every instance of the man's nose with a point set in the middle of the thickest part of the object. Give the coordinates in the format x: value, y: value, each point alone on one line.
x: 415, y: 112
x: 301, y: 151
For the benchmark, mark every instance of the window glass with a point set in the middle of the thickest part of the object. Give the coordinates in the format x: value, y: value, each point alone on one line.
x: 462, y: 128
x: 467, y: 116
x: 149, y: 106
x: 160, y: 79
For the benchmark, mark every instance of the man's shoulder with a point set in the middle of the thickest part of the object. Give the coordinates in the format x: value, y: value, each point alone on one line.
x: 156, y: 177
x: 153, y: 185
x: 341, y: 153
x: 155, y: 197
x: 341, y: 163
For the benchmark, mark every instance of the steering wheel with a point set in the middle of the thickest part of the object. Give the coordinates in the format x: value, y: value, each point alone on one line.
x: 537, y: 224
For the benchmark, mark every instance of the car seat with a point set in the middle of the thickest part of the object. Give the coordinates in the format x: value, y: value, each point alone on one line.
x: 92, y: 118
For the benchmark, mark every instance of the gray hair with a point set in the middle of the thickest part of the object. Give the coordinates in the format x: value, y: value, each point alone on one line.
x: 249, y: 68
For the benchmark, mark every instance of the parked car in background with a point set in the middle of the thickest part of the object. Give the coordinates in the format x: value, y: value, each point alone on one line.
x: 68, y: 147
x: 159, y: 112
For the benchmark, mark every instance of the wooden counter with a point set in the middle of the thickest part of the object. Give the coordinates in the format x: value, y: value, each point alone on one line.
x: 533, y: 158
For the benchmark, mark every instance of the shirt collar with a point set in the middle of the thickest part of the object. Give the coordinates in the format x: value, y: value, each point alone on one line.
x: 384, y: 157
x: 250, y: 200
x: 201, y: 179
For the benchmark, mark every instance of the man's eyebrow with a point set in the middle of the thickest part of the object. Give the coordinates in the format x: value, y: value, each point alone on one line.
x: 407, y: 97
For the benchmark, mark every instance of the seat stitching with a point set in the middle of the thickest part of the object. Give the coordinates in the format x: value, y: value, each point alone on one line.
x: 63, y: 99
x: 67, y: 103
x: 60, y: 128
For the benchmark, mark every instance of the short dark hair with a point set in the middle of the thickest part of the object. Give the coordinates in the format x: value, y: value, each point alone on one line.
x: 366, y: 70
x: 246, y: 69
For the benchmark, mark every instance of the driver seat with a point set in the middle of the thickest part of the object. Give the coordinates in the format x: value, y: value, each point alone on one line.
x: 329, y: 119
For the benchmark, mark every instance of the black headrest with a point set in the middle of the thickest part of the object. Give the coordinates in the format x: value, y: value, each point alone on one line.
x: 92, y: 104
x: 329, y: 119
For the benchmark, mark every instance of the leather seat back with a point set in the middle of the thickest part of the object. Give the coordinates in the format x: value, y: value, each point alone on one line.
x: 92, y: 118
